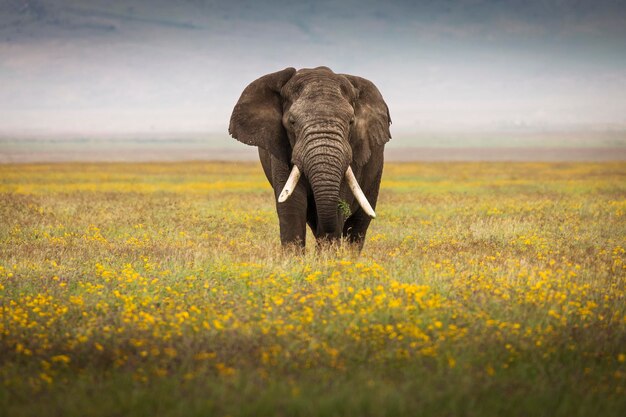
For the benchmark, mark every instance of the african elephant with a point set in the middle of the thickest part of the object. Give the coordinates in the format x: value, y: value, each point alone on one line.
x: 321, y: 138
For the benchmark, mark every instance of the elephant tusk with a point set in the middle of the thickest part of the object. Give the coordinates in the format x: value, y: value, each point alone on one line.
x: 290, y: 185
x: 358, y: 193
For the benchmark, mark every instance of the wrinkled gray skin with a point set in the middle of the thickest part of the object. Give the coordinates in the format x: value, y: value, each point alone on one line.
x: 322, y: 122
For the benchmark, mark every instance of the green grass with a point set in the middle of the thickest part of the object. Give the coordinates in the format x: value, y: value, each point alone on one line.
x: 161, y: 289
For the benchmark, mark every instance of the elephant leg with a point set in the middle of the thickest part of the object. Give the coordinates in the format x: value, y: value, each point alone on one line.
x: 292, y: 214
x: 266, y: 163
x: 356, y: 225
x: 292, y: 224
x: 355, y: 228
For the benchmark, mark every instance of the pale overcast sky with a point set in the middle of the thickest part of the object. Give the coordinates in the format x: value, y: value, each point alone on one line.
x: 90, y: 66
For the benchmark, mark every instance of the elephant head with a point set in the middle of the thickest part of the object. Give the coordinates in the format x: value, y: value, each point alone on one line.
x: 319, y: 123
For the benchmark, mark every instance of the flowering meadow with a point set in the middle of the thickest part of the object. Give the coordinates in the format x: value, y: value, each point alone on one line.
x: 483, y: 289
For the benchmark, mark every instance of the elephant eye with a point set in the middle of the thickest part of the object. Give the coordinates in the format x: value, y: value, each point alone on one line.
x: 352, y: 120
x: 292, y: 121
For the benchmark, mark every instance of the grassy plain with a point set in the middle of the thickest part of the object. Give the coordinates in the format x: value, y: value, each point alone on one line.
x: 160, y: 289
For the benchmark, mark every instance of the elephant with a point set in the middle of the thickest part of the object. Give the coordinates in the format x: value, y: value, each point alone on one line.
x: 321, y: 138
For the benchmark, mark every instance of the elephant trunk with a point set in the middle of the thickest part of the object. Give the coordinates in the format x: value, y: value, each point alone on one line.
x: 325, y: 158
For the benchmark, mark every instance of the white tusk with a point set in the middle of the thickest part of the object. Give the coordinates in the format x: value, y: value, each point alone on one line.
x: 358, y: 193
x: 292, y: 181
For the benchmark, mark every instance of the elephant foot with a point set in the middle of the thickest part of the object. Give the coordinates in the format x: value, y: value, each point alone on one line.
x: 295, y: 246
x: 339, y: 246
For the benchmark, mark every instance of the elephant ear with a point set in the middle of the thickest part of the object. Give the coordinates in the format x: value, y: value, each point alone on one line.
x: 372, y: 120
x: 257, y: 117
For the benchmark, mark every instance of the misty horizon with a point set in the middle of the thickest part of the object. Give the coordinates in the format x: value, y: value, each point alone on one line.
x: 122, y: 68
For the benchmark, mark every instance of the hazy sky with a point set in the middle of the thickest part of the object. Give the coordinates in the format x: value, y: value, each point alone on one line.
x: 161, y: 65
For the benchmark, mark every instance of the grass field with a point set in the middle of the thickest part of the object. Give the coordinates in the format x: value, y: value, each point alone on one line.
x: 483, y: 289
